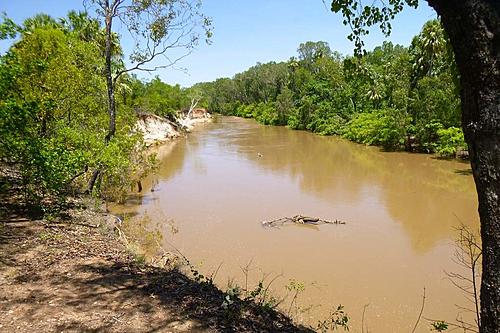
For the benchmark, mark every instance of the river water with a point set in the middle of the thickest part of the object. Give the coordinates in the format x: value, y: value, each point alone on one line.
x: 215, y: 187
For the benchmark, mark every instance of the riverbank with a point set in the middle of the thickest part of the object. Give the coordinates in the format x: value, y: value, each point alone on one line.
x: 157, y: 130
x: 74, y: 275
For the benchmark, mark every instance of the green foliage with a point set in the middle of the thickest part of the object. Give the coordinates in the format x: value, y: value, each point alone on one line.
x: 435, y: 98
x: 439, y: 326
x: 431, y: 53
x: 265, y: 113
x: 386, y: 127
x: 160, y: 98
x: 338, y: 319
x: 8, y: 29
x: 300, y: 118
x: 310, y: 52
x: 426, y: 135
x: 325, y: 121
x: 450, y: 140
x: 360, y: 18
x: 53, y: 115
x: 244, y: 111
x: 47, y: 125
x: 284, y: 106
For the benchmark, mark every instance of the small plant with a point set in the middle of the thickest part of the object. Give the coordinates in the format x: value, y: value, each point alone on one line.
x: 231, y: 296
x: 45, y: 236
x: 296, y: 287
x: 135, y: 251
x: 48, y: 236
x: 260, y: 294
x: 337, y: 319
x: 439, y: 326
x: 232, y: 305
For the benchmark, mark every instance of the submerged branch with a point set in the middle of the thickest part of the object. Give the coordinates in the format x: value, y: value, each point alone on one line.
x: 299, y: 219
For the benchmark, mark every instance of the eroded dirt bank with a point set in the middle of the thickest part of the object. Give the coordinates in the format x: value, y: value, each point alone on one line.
x: 158, y: 130
x: 72, y: 277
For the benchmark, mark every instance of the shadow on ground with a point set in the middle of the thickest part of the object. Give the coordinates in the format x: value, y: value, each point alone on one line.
x: 74, y: 278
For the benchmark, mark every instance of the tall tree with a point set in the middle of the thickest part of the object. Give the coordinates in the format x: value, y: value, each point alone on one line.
x: 309, y: 51
x: 473, y: 27
x: 157, y: 27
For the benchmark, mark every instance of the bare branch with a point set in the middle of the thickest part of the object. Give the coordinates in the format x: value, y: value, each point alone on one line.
x: 420, y: 314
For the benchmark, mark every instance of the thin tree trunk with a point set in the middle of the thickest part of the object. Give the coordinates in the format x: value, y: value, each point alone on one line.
x: 194, y: 102
x: 92, y: 181
x: 474, y: 30
x: 109, y: 78
x: 110, y: 87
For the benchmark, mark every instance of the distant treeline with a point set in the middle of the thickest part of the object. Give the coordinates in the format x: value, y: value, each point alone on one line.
x: 394, y: 96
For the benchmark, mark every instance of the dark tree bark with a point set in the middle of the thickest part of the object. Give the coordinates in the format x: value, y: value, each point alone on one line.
x: 93, y: 180
x: 474, y: 30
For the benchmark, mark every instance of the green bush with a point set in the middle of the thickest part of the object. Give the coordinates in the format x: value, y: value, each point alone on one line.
x: 300, y: 117
x: 245, y: 111
x: 265, y: 113
x: 450, y: 140
x: 427, y: 135
x: 385, y: 127
x: 325, y: 120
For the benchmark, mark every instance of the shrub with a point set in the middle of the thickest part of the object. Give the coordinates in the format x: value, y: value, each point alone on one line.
x: 265, y: 113
x: 450, y: 140
x: 386, y: 127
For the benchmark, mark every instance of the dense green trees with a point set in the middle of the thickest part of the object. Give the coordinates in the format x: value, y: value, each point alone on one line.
x: 394, y: 96
x: 54, y: 115
x: 53, y: 112
x: 159, y: 98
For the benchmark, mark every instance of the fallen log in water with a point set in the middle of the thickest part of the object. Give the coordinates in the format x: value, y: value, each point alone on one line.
x: 298, y: 219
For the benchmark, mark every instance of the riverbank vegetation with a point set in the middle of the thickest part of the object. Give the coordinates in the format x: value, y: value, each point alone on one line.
x: 394, y: 96
x: 54, y: 114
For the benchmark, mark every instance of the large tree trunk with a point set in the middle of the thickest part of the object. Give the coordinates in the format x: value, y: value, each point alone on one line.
x: 474, y: 30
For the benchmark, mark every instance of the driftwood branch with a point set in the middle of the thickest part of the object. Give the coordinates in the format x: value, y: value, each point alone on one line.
x: 299, y: 219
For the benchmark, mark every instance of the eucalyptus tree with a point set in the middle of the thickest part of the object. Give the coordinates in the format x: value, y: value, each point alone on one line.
x: 157, y: 28
x: 310, y: 51
x: 473, y: 27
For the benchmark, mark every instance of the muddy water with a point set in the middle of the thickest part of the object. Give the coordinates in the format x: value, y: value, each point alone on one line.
x: 216, y: 186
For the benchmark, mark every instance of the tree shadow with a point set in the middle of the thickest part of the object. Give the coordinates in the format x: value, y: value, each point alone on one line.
x: 132, y: 291
x: 99, y: 288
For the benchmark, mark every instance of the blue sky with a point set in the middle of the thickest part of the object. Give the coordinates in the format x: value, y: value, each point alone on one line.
x: 247, y: 32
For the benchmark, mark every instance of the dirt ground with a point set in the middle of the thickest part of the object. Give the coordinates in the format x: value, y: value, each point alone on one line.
x: 70, y: 276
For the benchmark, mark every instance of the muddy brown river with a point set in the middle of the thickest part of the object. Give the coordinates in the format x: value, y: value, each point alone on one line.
x: 215, y: 187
